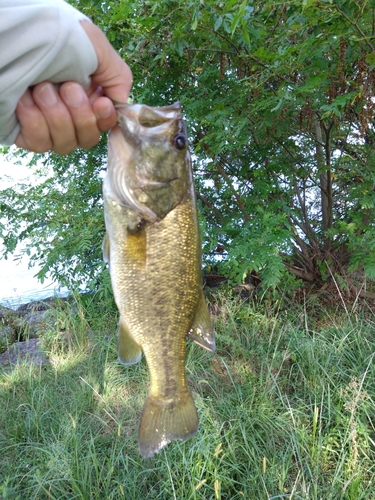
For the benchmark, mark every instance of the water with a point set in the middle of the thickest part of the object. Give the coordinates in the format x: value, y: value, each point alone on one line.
x: 18, y: 284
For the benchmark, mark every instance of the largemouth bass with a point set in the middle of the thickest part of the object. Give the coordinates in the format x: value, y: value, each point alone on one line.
x: 153, y: 248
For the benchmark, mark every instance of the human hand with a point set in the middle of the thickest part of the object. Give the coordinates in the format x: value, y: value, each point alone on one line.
x: 61, y: 121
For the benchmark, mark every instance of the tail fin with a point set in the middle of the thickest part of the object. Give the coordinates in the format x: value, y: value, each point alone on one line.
x: 163, y: 422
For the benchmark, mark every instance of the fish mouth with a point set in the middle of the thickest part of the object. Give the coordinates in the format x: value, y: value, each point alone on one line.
x: 136, y: 119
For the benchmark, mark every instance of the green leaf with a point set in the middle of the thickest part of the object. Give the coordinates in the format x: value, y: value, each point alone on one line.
x: 279, y: 104
x: 245, y: 34
x: 179, y: 48
x: 218, y: 23
x: 370, y: 59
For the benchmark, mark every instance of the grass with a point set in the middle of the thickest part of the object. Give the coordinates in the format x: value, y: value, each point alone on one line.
x: 286, y: 409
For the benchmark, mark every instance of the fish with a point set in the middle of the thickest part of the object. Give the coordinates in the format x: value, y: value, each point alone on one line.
x: 153, y: 248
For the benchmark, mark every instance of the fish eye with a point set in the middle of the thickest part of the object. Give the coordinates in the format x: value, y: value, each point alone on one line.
x: 179, y: 141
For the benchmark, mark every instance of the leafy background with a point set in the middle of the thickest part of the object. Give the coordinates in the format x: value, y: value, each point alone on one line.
x: 279, y: 103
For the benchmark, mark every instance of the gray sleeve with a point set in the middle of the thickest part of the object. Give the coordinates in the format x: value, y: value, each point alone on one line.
x: 39, y: 40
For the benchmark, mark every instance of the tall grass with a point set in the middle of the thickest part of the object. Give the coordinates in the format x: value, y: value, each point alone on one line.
x: 286, y: 409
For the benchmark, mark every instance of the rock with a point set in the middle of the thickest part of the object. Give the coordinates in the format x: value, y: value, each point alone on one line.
x: 4, y: 311
x: 35, y: 322
x: 37, y: 305
x: 26, y: 322
x: 29, y: 351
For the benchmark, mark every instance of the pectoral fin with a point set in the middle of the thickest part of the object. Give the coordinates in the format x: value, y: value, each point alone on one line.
x: 135, y: 246
x: 201, y: 331
x: 129, y: 352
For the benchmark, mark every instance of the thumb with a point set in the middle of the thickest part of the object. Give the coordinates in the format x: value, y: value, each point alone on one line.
x: 112, y: 73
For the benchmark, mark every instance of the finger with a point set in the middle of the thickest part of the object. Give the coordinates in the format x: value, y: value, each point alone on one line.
x: 82, y: 114
x: 103, y: 108
x: 112, y: 74
x: 34, y: 134
x: 105, y: 113
x: 94, y: 92
x: 57, y: 116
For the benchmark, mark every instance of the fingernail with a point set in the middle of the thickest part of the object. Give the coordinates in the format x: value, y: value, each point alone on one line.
x: 27, y: 99
x: 47, y: 94
x: 73, y: 94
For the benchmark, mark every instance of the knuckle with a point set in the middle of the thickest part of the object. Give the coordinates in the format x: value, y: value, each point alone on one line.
x: 38, y: 144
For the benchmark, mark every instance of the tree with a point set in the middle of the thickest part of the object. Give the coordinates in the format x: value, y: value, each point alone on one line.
x: 279, y: 103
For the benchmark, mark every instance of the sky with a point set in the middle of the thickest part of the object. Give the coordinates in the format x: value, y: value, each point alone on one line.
x: 10, y: 173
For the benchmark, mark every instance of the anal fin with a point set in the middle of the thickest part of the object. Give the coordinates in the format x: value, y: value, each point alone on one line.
x: 201, y: 331
x: 129, y: 352
x: 105, y: 248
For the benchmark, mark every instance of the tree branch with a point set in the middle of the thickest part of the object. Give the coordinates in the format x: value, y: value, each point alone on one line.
x: 325, y: 181
x: 227, y: 179
x: 210, y: 205
x: 354, y: 23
